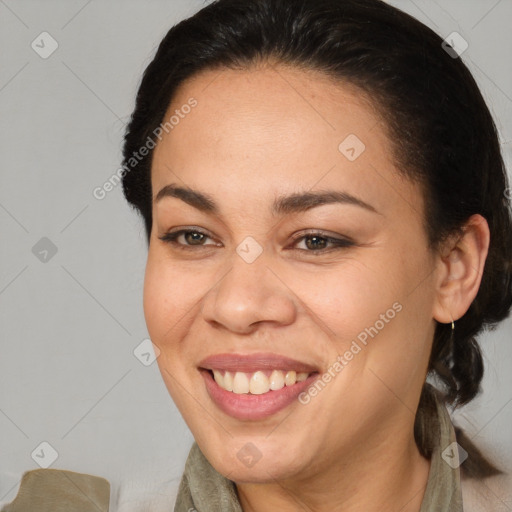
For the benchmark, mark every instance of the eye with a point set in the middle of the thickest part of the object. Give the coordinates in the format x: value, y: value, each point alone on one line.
x: 318, y: 242
x: 315, y: 241
x: 189, y: 238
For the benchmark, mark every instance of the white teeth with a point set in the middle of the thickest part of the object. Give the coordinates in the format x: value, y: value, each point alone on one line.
x: 228, y: 381
x: 257, y: 383
x: 219, y: 379
x: 276, y: 380
x: 290, y: 378
x: 240, y: 383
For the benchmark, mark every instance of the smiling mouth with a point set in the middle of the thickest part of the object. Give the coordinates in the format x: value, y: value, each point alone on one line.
x: 255, y: 386
x: 243, y: 404
x: 258, y: 382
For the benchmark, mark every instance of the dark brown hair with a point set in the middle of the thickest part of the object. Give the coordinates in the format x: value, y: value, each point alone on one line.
x: 442, y: 135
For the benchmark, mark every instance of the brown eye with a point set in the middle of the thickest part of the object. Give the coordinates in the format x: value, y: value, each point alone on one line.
x: 185, y: 238
x: 194, y: 237
x: 318, y: 243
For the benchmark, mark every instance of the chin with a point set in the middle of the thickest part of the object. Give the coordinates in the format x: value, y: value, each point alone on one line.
x: 256, y: 459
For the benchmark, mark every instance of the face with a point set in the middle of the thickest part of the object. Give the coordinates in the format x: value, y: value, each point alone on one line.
x: 288, y: 284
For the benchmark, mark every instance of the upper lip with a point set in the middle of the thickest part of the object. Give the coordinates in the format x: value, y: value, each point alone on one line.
x: 253, y: 362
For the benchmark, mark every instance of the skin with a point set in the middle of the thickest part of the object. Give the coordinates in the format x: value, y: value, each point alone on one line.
x: 256, y: 134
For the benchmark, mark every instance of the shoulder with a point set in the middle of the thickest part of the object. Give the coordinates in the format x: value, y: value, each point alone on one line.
x: 58, y: 490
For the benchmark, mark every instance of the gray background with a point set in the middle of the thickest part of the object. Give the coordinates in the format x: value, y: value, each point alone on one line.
x: 70, y: 321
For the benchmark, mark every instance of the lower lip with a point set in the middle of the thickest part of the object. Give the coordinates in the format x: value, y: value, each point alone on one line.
x: 254, y: 407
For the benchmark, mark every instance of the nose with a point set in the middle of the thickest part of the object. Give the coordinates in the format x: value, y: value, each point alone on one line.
x: 247, y: 295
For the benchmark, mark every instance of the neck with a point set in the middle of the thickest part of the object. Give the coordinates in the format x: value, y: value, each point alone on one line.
x: 390, y: 476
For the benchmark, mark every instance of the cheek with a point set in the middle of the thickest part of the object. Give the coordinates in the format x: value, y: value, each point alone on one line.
x: 169, y: 309
x: 373, y: 311
x: 153, y: 299
x: 167, y: 298
x: 346, y: 299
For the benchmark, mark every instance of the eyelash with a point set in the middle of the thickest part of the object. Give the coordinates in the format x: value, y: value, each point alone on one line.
x: 338, y: 243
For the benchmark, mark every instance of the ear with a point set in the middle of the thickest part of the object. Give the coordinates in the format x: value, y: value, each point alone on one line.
x: 460, y: 267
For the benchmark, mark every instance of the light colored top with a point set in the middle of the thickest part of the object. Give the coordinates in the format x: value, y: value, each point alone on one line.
x: 58, y: 490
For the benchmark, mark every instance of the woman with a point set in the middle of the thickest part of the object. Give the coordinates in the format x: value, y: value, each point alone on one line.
x: 327, y: 226
x: 326, y: 211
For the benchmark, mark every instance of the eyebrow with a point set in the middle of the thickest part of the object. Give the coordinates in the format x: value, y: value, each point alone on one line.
x: 282, y: 205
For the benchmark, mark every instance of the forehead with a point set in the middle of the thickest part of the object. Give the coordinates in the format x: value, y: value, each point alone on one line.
x: 255, y: 105
x: 273, y: 128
